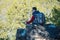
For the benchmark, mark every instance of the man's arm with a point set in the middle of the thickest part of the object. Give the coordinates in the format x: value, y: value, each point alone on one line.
x: 32, y: 18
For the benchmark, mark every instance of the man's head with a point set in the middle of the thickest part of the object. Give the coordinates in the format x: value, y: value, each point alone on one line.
x: 34, y: 9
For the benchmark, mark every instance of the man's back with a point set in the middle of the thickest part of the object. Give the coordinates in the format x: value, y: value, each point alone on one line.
x: 39, y: 18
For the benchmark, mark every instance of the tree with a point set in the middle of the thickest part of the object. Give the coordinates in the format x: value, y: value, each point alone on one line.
x: 58, y: 0
x: 56, y: 16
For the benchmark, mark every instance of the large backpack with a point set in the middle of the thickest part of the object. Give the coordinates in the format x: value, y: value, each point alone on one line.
x: 21, y: 34
x: 39, y: 18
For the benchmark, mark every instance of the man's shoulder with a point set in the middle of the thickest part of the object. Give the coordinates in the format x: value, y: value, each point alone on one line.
x: 36, y: 12
x: 42, y: 13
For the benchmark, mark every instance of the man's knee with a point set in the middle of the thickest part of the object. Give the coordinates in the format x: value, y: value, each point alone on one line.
x: 28, y: 25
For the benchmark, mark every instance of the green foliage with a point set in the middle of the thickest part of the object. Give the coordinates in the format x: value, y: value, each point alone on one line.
x: 56, y: 16
x: 1, y: 39
x: 4, y: 39
x: 58, y: 0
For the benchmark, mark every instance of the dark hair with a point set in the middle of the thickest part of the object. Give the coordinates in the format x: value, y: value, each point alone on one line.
x: 34, y: 8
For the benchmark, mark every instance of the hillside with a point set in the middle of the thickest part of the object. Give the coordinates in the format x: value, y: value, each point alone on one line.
x: 14, y: 12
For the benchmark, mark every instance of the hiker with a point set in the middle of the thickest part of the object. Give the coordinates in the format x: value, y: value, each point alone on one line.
x: 37, y: 17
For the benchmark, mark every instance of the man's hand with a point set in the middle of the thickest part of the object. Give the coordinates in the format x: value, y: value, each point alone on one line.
x: 31, y: 20
x: 27, y: 22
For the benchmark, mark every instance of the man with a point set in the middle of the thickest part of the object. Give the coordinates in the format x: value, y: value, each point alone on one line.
x: 37, y: 17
